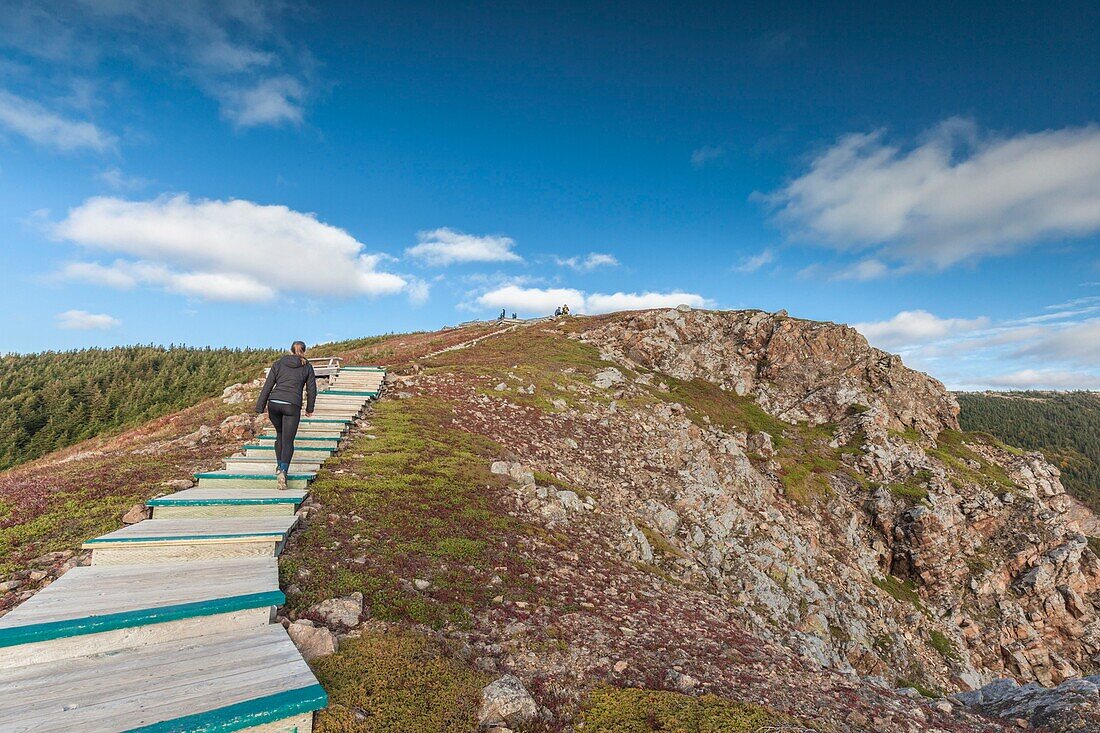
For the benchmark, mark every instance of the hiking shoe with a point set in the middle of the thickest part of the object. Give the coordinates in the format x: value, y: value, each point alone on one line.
x: 281, y: 479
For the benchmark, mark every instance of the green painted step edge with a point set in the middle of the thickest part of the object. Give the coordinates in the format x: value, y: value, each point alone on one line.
x: 351, y: 392
x: 141, y: 617
x: 168, y: 501
x: 271, y: 447
x: 298, y: 438
x: 324, y: 419
x: 362, y: 369
x: 245, y: 714
x: 256, y: 476
x: 181, y: 537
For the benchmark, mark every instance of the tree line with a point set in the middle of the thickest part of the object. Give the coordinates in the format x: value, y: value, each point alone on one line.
x: 1065, y: 426
x: 53, y: 399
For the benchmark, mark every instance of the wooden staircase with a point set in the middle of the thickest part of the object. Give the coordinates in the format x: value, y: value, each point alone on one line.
x: 169, y: 630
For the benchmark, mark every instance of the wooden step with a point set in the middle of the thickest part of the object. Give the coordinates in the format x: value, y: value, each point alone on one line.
x: 200, y: 503
x: 336, y: 413
x: 250, y: 480
x: 267, y: 442
x: 96, y: 609
x: 298, y: 463
x: 309, y: 431
x: 307, y: 441
x: 268, y: 452
x: 188, y: 540
x: 320, y: 451
x: 252, y: 681
x: 362, y: 368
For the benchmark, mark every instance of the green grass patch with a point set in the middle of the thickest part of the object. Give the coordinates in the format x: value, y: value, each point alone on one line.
x: 938, y: 641
x: 632, y: 710
x: 911, y: 491
x: 418, y: 501
x: 901, y: 590
x: 952, y: 449
x: 806, y: 475
x: 659, y: 543
x: 396, y: 683
x: 724, y: 409
x: 924, y: 690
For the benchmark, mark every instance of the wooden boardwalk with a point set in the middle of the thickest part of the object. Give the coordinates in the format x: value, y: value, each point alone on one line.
x: 170, y: 629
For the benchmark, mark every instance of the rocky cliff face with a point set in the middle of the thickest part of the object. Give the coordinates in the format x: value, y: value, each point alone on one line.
x: 812, y: 486
x: 797, y: 370
x: 925, y: 550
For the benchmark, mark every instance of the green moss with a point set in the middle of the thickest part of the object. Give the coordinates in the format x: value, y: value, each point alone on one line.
x: 614, y: 710
x: 901, y: 590
x: 805, y: 475
x: 911, y: 435
x: 910, y: 491
x: 1094, y: 545
x: 417, y: 501
x: 723, y: 408
x: 929, y: 692
x: 396, y: 683
x: 951, y: 448
x: 659, y: 543
x: 938, y: 641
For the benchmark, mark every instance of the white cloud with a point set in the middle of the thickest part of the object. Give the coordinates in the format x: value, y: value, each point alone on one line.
x: 1077, y: 343
x: 419, y: 291
x: 445, y: 246
x: 701, y: 156
x: 589, y: 262
x: 752, y: 263
x: 39, y: 125
x: 909, y: 328
x: 531, y: 301
x: 957, y: 195
x: 1041, y: 379
x: 600, y: 303
x: 85, y: 321
x: 239, y: 53
x: 868, y: 269
x: 222, y: 250
x: 116, y: 179
x: 117, y: 276
x: 270, y: 102
x: 543, y: 301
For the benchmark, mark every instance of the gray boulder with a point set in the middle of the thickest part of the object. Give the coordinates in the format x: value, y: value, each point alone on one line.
x: 506, y: 702
x: 339, y: 611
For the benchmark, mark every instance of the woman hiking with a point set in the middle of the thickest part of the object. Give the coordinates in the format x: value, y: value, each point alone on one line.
x: 282, y: 396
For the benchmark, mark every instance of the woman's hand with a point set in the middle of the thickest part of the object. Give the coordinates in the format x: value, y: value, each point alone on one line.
x: 309, y: 414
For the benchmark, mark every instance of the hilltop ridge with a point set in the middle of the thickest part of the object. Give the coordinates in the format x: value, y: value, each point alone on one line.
x: 738, y: 504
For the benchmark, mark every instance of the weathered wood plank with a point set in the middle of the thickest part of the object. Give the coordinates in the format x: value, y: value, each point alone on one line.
x: 217, y: 682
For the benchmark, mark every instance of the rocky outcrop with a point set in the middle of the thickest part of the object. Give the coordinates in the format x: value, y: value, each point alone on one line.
x: 797, y: 370
x: 850, y: 522
x: 1073, y: 705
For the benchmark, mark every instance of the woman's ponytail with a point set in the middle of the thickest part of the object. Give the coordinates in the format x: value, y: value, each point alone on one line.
x: 298, y: 348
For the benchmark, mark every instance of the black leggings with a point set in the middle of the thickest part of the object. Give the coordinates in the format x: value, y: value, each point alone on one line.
x: 285, y: 418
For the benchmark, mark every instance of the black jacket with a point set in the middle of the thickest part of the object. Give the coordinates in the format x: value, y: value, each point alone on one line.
x: 285, y: 381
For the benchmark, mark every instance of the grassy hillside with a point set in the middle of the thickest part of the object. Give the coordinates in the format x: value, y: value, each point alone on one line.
x: 54, y: 399
x: 1065, y: 426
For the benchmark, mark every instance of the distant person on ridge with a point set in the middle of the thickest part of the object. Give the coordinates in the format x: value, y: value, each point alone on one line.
x: 282, y: 397
x: 557, y: 312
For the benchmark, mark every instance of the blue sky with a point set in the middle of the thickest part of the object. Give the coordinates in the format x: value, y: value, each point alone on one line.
x: 249, y: 173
